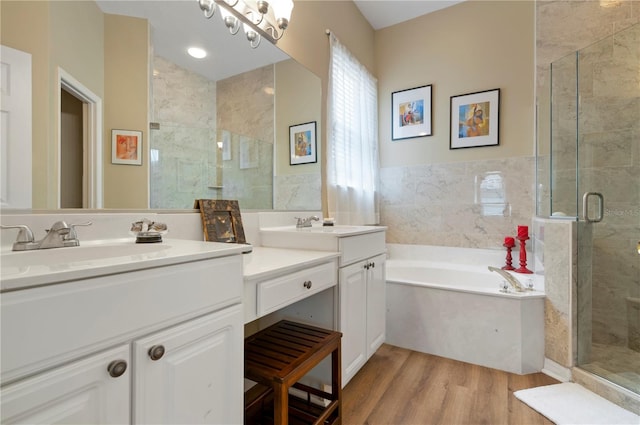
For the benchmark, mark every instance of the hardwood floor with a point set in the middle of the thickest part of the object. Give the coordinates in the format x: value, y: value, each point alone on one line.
x: 403, y: 387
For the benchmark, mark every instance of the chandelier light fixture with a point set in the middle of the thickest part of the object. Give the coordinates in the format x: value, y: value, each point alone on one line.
x: 259, y: 18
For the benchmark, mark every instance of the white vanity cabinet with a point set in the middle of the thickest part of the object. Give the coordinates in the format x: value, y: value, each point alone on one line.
x: 362, y: 300
x: 81, y: 392
x: 158, y: 345
x: 190, y: 373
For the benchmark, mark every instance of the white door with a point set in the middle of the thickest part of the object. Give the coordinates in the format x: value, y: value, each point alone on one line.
x: 83, y: 392
x: 376, y: 304
x: 192, y: 373
x: 15, y: 128
x: 353, y: 319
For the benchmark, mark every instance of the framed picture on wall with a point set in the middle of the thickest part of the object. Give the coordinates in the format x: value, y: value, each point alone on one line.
x: 302, y: 143
x: 126, y: 147
x: 411, y: 113
x: 475, y: 119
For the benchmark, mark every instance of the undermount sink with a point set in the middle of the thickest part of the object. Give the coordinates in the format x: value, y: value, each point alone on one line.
x: 24, y: 269
x: 59, y: 257
x: 318, y: 237
x: 342, y: 230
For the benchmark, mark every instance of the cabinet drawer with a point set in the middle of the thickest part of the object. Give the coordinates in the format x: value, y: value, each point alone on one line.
x: 359, y: 247
x: 277, y: 293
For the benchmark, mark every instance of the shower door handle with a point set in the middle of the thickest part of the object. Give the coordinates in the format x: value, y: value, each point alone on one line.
x: 585, y: 207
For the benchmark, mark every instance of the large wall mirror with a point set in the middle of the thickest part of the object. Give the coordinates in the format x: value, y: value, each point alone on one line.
x: 215, y: 128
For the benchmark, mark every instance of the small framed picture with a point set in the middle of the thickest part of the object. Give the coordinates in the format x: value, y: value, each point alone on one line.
x: 411, y: 113
x: 126, y: 147
x: 302, y: 139
x: 221, y: 220
x: 475, y: 119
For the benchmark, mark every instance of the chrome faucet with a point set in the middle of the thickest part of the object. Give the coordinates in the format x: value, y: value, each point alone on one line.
x: 306, y: 222
x: 509, y: 277
x: 60, y: 235
x: 55, y: 236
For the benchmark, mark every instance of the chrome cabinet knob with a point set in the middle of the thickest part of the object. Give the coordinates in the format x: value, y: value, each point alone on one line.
x: 117, y: 368
x: 156, y: 352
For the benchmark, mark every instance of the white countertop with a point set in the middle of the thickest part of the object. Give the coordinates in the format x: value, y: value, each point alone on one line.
x: 319, y: 229
x: 266, y: 262
x: 20, y: 270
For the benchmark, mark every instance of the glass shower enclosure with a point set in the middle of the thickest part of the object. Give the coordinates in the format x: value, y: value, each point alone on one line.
x: 595, y: 177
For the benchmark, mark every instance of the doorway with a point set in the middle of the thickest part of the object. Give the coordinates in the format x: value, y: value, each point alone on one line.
x: 80, y: 145
x: 72, y: 163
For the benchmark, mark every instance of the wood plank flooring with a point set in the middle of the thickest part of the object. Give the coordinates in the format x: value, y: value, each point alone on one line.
x: 404, y: 387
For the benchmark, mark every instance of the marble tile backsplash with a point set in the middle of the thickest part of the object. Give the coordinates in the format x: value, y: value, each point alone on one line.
x: 466, y: 204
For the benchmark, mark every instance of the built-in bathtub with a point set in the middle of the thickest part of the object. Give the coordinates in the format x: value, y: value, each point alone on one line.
x: 444, y: 301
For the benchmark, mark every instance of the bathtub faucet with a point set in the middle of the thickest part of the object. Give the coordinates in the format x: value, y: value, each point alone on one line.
x: 510, y: 278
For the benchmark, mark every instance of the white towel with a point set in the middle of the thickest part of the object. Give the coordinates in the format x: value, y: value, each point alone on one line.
x: 571, y: 404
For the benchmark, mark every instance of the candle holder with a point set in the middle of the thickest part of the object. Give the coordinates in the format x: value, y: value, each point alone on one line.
x: 508, y: 259
x: 523, y: 256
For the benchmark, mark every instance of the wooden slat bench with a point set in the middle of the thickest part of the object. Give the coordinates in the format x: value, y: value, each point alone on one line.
x: 277, y: 358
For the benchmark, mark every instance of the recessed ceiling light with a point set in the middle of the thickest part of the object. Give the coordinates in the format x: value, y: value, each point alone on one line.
x: 197, y: 52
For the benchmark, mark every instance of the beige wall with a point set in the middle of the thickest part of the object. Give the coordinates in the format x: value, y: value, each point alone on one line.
x: 126, y: 53
x: 432, y: 195
x: 72, y: 36
x: 38, y: 27
x: 298, y: 99
x: 473, y: 46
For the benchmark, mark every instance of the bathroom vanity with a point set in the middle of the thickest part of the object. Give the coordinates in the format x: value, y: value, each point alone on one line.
x: 117, y: 332
x: 147, y: 334
x: 360, y: 300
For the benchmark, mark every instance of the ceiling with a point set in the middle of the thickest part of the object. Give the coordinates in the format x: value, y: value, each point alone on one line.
x: 384, y: 13
x: 179, y: 24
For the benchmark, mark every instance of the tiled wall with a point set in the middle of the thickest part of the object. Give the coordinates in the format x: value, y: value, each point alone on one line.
x: 245, y: 109
x: 442, y: 204
x: 297, y: 192
x: 183, y: 159
x: 609, y: 151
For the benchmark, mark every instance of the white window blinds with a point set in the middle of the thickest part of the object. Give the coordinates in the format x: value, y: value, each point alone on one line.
x: 352, y: 140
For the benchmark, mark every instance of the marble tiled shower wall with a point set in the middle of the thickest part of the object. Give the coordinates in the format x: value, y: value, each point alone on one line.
x: 439, y: 204
x: 182, y: 151
x: 609, y: 162
x: 194, y: 113
x: 245, y: 105
x: 609, y: 155
x: 596, y: 148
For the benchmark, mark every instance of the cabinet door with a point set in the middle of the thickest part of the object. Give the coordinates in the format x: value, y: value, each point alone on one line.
x: 376, y: 303
x: 353, y: 319
x: 197, y: 374
x: 82, y: 392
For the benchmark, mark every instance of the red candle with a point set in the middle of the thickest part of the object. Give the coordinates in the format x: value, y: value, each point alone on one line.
x: 509, y: 241
x: 523, y: 232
